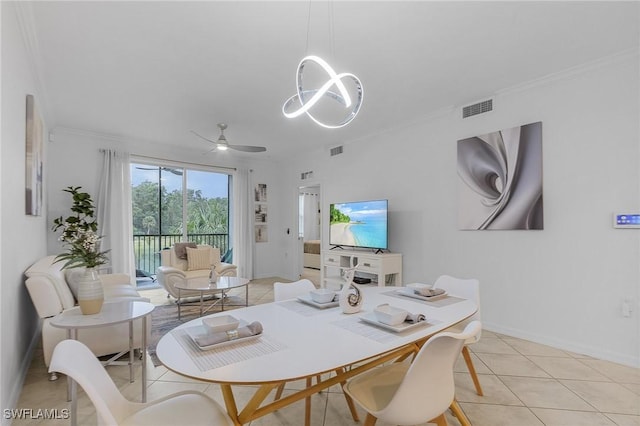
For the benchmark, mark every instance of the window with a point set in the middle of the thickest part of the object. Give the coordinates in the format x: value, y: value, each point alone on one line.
x: 173, y: 204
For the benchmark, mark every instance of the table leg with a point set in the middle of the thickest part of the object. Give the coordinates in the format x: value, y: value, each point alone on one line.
x: 222, y: 301
x: 131, y: 379
x: 246, y: 295
x: 144, y: 358
x: 230, y: 403
x: 201, y: 301
x: 72, y: 386
x: 179, y: 304
x: 307, y: 406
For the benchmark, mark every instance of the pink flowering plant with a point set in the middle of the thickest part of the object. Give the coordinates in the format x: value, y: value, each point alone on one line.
x: 79, y: 233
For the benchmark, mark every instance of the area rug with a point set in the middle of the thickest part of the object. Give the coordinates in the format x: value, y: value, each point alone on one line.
x: 164, y: 318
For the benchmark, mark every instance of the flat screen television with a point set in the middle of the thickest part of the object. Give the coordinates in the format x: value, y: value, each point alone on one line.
x: 359, y: 224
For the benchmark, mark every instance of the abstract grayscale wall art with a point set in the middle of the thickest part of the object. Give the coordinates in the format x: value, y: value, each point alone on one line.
x: 500, y: 179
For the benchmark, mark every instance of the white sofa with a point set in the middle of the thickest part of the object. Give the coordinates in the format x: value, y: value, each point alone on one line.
x: 50, y: 293
x: 175, y: 270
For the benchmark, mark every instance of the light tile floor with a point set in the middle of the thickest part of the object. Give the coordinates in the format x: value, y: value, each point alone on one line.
x: 524, y: 384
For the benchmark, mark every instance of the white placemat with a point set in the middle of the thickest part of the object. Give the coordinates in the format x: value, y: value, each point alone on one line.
x: 354, y: 325
x: 301, y: 308
x: 226, y: 355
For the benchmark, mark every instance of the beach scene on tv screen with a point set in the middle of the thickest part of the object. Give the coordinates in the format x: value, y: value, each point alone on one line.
x: 359, y: 224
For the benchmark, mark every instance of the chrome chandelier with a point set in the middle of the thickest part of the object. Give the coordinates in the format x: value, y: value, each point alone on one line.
x: 306, y: 98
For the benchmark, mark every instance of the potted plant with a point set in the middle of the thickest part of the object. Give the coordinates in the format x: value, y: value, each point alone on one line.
x: 82, y: 242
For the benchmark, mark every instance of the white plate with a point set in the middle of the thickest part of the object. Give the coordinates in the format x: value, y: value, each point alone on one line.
x: 409, y: 292
x: 309, y: 301
x: 200, y: 330
x: 370, y: 318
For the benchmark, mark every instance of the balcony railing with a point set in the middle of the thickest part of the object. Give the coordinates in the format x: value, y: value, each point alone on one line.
x: 147, y: 247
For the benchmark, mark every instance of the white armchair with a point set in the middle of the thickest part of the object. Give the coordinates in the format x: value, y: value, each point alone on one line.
x: 50, y: 293
x: 175, y: 270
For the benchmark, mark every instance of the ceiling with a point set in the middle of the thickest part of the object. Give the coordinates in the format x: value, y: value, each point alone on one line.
x: 153, y: 71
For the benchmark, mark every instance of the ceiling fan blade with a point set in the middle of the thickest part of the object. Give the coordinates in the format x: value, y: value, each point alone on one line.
x: 202, y: 137
x: 248, y: 148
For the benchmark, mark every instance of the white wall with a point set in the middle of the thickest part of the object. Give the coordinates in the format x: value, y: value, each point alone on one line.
x: 23, y: 237
x: 562, y: 286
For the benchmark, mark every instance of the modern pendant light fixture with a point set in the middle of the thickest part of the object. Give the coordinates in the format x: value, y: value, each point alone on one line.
x: 306, y: 98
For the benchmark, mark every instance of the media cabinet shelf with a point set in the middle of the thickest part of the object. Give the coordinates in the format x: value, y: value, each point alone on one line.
x: 383, y: 268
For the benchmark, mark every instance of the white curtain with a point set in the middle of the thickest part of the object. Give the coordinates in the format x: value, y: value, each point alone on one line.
x: 114, y: 212
x: 243, y: 223
x: 310, y: 214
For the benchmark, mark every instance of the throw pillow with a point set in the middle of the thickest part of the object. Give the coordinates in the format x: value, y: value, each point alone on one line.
x: 181, y: 249
x: 198, y: 258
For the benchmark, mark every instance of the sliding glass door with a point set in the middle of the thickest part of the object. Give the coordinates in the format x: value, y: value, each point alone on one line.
x: 173, y: 204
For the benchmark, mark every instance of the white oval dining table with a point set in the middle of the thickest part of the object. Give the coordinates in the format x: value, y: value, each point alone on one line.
x: 300, y: 341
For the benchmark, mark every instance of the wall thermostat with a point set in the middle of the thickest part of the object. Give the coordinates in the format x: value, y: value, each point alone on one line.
x: 626, y: 220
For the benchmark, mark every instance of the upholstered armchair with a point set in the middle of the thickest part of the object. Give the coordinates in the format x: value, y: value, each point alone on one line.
x: 177, y: 266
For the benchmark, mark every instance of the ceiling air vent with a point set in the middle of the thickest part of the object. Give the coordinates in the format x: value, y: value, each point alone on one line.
x: 336, y: 151
x: 479, y: 108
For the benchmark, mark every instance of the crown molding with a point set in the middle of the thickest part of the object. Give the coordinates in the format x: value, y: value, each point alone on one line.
x: 24, y: 15
x: 631, y: 54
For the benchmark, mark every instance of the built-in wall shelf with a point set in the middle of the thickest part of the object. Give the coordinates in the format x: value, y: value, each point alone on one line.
x: 384, y: 269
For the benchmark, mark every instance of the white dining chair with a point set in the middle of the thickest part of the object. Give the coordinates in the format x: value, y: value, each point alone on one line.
x: 76, y: 360
x: 284, y: 291
x: 409, y: 393
x: 469, y: 289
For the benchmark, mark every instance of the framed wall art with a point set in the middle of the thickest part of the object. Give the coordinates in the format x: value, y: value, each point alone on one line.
x: 500, y: 179
x: 34, y: 159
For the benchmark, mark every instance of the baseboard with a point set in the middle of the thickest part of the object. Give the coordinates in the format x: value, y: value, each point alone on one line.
x: 575, y: 347
x: 24, y: 369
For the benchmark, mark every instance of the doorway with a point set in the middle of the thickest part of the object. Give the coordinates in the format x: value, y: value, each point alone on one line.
x: 309, y: 232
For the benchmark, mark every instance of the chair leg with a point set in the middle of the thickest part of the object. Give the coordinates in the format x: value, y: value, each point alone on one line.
x: 441, y: 420
x: 458, y: 413
x: 472, y: 370
x: 370, y: 420
x: 347, y: 397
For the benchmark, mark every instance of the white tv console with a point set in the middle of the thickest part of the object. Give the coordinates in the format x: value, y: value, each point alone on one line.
x: 385, y: 268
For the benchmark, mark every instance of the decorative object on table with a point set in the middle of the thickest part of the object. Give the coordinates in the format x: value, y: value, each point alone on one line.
x: 500, y: 179
x: 213, y: 275
x: 391, y: 315
x: 79, y: 235
x: 34, y: 159
x: 322, y: 295
x: 210, y: 339
x: 350, y: 299
x: 221, y: 323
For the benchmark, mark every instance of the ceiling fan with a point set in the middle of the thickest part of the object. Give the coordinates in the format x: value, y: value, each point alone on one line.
x: 223, y: 145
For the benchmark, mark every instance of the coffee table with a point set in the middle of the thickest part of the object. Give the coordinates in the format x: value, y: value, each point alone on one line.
x: 203, y: 286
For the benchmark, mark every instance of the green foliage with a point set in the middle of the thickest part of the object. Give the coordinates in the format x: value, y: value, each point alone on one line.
x: 79, y: 233
x: 204, y: 215
x: 336, y: 216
